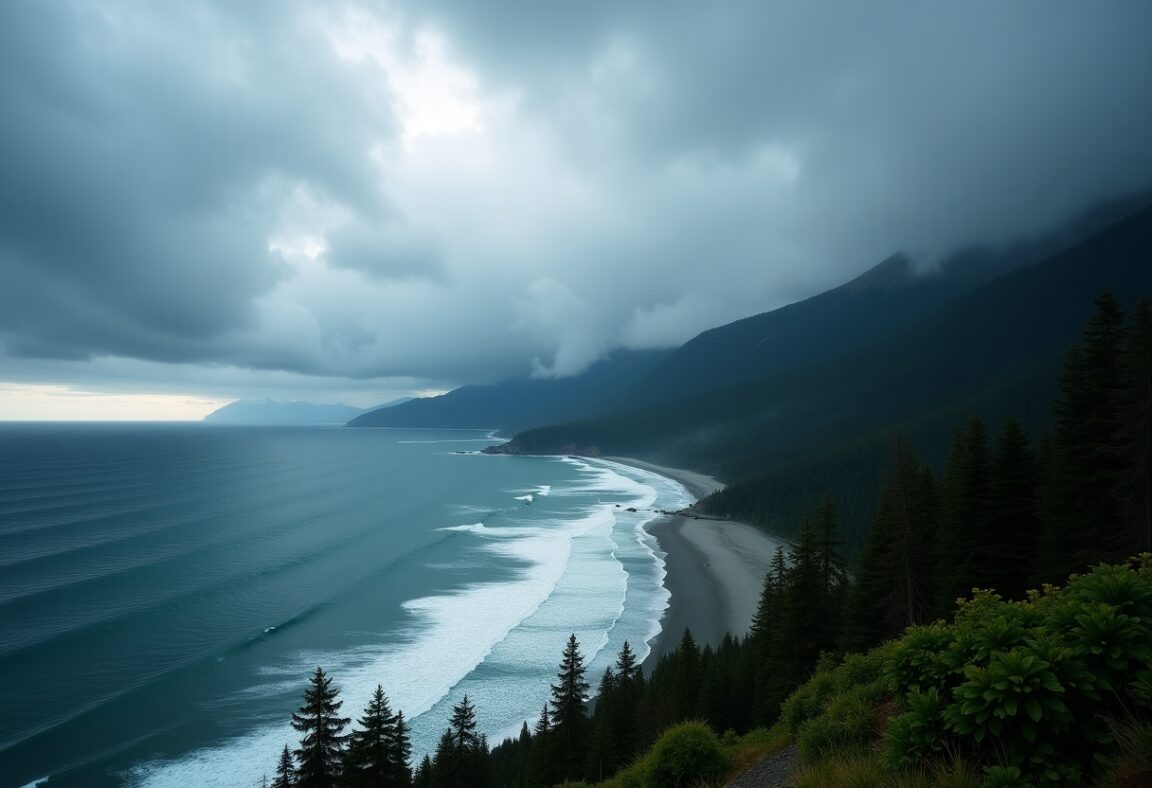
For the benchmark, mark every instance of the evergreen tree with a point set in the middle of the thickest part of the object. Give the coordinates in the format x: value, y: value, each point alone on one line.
x: 540, y: 767
x: 570, y: 713
x: 602, y: 753
x: 805, y: 628
x: 401, y: 752
x: 374, y: 757
x: 965, y: 518
x: 688, y: 679
x: 447, y: 771
x: 322, y: 745
x: 627, y: 669
x: 285, y: 770
x: 833, y: 570
x: 1088, y: 417
x: 765, y: 669
x: 1016, y: 529
x: 423, y: 776
x: 894, y: 580
x: 628, y: 687
x: 462, y: 755
x: 769, y: 610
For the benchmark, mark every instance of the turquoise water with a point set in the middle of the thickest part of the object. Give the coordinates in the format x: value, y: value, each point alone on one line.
x: 165, y: 590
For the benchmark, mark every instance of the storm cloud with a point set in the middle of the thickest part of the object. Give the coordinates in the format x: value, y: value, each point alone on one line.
x: 373, y: 197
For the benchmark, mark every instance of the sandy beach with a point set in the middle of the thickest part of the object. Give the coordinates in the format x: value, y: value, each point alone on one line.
x: 715, y: 567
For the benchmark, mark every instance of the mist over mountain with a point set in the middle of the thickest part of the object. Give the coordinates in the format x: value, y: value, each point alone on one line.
x: 805, y: 424
x: 519, y: 404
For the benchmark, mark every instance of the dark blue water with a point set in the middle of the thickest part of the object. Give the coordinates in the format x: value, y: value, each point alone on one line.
x: 166, y: 589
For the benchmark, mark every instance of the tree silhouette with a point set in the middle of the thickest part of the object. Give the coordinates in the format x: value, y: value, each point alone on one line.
x: 570, y: 713
x: 322, y: 745
x: 285, y: 770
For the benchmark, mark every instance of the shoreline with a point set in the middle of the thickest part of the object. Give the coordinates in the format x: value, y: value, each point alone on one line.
x: 715, y: 568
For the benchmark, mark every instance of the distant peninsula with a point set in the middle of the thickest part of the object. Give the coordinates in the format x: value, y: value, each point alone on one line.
x: 271, y: 412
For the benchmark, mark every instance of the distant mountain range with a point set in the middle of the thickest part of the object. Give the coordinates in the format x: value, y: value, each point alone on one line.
x: 270, y: 412
x: 876, y: 305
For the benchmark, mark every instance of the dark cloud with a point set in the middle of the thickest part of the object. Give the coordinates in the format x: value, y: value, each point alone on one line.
x: 146, y: 151
x: 457, y: 191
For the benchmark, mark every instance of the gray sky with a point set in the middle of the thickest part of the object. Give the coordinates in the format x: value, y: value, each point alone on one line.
x: 209, y: 200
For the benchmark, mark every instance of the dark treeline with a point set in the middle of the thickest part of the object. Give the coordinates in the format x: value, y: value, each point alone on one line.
x: 1008, y: 512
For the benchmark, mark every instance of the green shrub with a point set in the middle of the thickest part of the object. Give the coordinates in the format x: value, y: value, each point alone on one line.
x: 858, y: 669
x: 1027, y: 688
x: 635, y: 776
x: 918, y: 661
x: 918, y: 735
x: 845, y: 725
x: 684, y: 755
x: 808, y: 701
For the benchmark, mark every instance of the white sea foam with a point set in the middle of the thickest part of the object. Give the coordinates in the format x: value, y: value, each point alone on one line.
x: 480, y: 529
x: 575, y: 581
x: 529, y: 498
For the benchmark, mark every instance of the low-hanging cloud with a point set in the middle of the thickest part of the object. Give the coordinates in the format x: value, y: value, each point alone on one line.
x: 447, y: 192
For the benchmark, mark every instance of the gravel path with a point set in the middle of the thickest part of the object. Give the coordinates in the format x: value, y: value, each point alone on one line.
x: 773, y: 772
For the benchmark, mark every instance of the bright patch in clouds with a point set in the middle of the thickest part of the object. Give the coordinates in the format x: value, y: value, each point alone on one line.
x: 431, y: 93
x: 22, y: 402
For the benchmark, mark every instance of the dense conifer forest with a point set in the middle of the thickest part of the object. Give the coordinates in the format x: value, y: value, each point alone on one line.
x: 890, y: 670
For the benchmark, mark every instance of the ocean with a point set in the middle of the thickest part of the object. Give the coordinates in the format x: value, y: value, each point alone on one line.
x: 166, y: 590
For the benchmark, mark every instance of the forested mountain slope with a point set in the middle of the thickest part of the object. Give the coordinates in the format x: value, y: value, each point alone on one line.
x: 782, y: 439
x: 518, y: 404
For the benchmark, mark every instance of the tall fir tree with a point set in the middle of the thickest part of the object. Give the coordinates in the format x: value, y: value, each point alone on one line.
x: 629, y: 685
x: 602, y: 742
x: 1016, y: 531
x: 462, y: 755
x: 767, y: 649
x: 1088, y: 526
x: 401, y: 747
x: 832, y: 567
x: 540, y: 767
x: 375, y: 757
x: 805, y: 628
x: 688, y: 678
x: 422, y: 778
x: 570, y: 713
x: 895, y: 577
x: 285, y: 770
x: 965, y: 517
x: 769, y: 610
x: 322, y: 746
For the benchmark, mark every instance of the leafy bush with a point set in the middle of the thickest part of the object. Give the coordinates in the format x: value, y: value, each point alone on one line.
x: 858, y: 669
x: 687, y: 753
x: 808, y: 701
x: 1022, y: 693
x: 845, y: 725
x: 1027, y: 687
x: 919, y: 733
